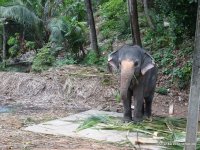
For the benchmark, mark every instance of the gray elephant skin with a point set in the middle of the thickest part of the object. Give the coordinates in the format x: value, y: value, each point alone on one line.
x: 138, y: 74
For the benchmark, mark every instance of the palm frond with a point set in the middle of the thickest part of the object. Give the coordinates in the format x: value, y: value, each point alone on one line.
x: 57, y: 27
x: 20, y: 14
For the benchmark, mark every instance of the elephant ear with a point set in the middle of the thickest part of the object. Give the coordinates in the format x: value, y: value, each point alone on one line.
x: 113, y: 61
x: 148, y: 63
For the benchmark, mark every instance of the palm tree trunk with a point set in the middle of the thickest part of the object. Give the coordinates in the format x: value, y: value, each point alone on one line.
x: 134, y: 20
x: 93, y: 35
x: 4, y: 43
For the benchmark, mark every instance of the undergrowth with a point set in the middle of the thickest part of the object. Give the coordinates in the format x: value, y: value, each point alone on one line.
x: 44, y: 59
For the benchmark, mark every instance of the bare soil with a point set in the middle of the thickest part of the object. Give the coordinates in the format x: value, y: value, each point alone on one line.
x: 28, y: 98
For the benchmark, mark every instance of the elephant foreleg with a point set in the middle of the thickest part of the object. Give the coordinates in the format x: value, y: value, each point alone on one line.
x: 127, y: 107
x: 139, y: 105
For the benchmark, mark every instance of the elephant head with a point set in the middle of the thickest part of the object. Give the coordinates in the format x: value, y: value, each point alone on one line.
x: 133, y: 62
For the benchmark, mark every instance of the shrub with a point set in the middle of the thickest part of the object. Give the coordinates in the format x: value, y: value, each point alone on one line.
x: 44, y: 59
x: 162, y: 91
x: 91, y: 58
x: 182, y: 75
x: 13, y: 45
x: 65, y: 61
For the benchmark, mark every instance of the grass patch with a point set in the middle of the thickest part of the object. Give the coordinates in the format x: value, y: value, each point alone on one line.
x: 162, y: 91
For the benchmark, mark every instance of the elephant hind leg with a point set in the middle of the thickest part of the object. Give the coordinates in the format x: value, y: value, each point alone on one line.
x: 148, y: 103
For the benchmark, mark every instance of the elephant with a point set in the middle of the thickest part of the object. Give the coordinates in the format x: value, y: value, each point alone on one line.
x: 138, y: 75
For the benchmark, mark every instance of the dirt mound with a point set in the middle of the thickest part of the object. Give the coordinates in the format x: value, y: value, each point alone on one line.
x: 72, y: 86
x: 77, y: 88
x: 33, y: 88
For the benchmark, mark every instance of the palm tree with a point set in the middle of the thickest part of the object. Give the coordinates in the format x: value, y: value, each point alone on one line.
x: 19, y: 14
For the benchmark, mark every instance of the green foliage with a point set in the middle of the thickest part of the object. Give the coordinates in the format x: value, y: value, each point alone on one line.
x: 76, y: 9
x: 166, y: 42
x: 2, y: 66
x: 115, y: 19
x: 13, y: 51
x: 173, y: 62
x: 76, y: 34
x: 92, y: 121
x: 65, y: 61
x: 44, y: 59
x: 117, y: 97
x: 184, y: 13
x: 67, y: 34
x: 91, y: 58
x: 157, y: 39
x: 19, y: 14
x: 57, y: 27
x: 162, y: 91
x: 30, y: 45
x: 170, y: 130
x: 13, y: 42
x: 183, y: 74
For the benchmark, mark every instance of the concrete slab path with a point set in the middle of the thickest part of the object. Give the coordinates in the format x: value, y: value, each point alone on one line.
x: 68, y: 127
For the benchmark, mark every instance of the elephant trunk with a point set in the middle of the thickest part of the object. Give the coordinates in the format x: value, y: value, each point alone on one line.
x: 127, y: 72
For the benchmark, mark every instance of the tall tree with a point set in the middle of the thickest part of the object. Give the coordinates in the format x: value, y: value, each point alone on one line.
x: 194, y: 98
x: 131, y: 22
x: 93, y: 35
x: 134, y: 21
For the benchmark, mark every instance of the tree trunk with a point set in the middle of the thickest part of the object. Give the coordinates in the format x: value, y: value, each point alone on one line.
x: 93, y: 35
x: 193, y: 108
x: 134, y: 20
x: 4, y: 43
x: 131, y: 22
x: 22, y: 40
x: 146, y: 11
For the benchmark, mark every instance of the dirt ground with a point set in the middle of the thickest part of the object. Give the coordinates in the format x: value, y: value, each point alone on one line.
x: 27, y: 99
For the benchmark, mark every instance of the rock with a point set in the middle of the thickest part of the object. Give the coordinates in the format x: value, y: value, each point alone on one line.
x: 171, y: 109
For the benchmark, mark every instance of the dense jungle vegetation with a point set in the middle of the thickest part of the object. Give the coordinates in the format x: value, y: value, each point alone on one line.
x: 55, y: 33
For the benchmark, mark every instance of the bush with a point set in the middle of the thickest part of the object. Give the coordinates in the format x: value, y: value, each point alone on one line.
x: 65, y: 61
x: 182, y: 75
x: 13, y: 45
x: 162, y: 91
x: 91, y: 58
x: 44, y: 59
x: 30, y: 45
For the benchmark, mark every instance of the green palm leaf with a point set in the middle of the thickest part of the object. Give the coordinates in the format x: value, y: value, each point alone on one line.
x: 20, y: 14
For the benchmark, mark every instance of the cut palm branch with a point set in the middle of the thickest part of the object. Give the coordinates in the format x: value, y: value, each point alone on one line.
x: 165, y: 129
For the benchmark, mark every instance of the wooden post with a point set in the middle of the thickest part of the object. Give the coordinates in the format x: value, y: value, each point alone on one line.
x: 193, y: 108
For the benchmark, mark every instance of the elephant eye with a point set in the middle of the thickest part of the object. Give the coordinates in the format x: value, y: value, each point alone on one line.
x: 136, y: 63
